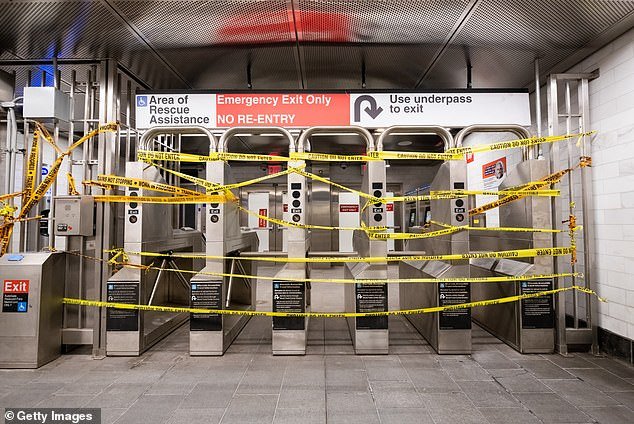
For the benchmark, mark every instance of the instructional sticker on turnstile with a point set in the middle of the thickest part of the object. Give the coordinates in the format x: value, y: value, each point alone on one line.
x: 454, y: 294
x: 208, y: 296
x: 122, y: 319
x: 537, y: 312
x: 371, y: 298
x: 289, y: 296
x: 15, y: 296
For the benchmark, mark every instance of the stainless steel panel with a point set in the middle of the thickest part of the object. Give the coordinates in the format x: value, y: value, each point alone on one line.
x: 33, y: 338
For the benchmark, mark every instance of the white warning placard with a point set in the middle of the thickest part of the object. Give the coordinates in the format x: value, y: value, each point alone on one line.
x: 448, y: 109
x: 175, y: 110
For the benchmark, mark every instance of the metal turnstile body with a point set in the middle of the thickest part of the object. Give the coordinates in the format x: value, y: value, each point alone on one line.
x: 528, y: 325
x: 289, y: 292
x: 212, y: 334
x: 148, y: 228
x: 448, y: 332
x: 31, y: 315
x: 369, y: 335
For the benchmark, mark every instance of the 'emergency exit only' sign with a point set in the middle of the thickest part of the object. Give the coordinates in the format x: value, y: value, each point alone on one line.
x: 301, y: 110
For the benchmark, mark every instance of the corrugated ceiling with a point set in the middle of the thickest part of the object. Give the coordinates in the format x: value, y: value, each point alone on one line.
x: 316, y: 44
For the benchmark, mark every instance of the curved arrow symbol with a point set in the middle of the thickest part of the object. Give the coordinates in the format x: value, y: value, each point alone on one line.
x: 373, y: 110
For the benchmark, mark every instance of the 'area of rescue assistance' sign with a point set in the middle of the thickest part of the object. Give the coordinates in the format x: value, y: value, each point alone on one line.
x: 301, y: 110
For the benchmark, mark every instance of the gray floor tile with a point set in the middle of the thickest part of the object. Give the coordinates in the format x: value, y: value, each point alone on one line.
x: 346, y: 380
x: 580, y: 393
x: 344, y: 401
x: 151, y: 409
x: 395, y: 394
x: 298, y: 415
x: 118, y: 395
x: 509, y: 415
x: 603, y: 380
x: 625, y: 398
x: 617, y: 367
x: 303, y: 398
x: 519, y: 381
x: 170, y: 387
x: 385, y: 368
x: 419, y: 361
x: 250, y: 409
x: 405, y: 416
x: 29, y: 395
x: 450, y: 408
x: 570, y: 361
x: 611, y: 415
x: 205, y: 395
x: 487, y: 394
x: 353, y: 417
x: 549, y: 407
x: 493, y: 360
x: 65, y: 401
x: 432, y: 381
x: 467, y: 372
x: 261, y: 381
x: 543, y: 368
x: 196, y: 416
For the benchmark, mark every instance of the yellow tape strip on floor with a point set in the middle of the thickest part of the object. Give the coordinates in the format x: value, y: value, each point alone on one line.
x: 521, y: 253
x: 509, y: 299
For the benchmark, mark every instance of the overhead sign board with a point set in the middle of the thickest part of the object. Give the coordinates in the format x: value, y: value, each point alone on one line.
x: 301, y: 110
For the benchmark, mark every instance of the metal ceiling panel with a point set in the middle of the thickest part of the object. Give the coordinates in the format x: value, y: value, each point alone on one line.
x: 503, y: 37
x: 76, y: 29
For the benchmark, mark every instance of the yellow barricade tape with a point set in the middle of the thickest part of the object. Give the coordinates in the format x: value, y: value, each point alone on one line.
x: 149, y: 185
x: 523, y: 142
x: 47, y: 136
x: 416, y: 155
x: 327, y: 157
x: 100, y: 304
x: 215, y: 198
x: 72, y: 187
x: 145, y: 155
x: 521, y: 253
x: 501, y: 229
x: 31, y: 169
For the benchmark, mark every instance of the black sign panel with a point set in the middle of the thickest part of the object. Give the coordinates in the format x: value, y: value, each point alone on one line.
x: 454, y: 294
x: 289, y: 296
x: 371, y: 298
x: 15, y: 302
x: 537, y: 312
x: 122, y: 319
x: 207, y: 295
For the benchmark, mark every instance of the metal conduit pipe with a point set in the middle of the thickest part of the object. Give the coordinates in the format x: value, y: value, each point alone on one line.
x: 365, y: 134
x: 232, y: 132
x: 518, y: 130
x: 441, y: 132
x: 146, y: 139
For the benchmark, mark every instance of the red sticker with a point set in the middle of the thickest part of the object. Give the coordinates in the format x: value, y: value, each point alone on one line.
x: 348, y: 208
x: 262, y: 221
x: 15, y: 286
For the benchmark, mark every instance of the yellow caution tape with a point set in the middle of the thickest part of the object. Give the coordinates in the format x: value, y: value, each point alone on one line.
x: 215, y: 198
x: 113, y: 180
x: 327, y: 157
x: 174, y: 309
x: 523, y: 142
x: 526, y: 192
x: 42, y: 188
x: 109, y: 127
x: 415, y: 155
x: 146, y: 155
x: 520, y: 253
x: 31, y: 169
x: 10, y: 195
x: 47, y: 136
x: 72, y: 188
x: 501, y: 229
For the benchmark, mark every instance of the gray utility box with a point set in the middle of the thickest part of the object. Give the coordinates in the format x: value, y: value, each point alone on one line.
x: 31, y: 316
x: 74, y: 215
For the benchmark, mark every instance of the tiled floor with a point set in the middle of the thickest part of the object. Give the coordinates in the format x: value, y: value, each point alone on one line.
x: 330, y: 384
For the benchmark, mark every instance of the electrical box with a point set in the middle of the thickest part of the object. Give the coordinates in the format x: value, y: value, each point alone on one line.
x: 46, y: 102
x: 74, y: 215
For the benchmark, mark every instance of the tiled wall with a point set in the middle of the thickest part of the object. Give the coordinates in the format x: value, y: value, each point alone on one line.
x: 612, y: 115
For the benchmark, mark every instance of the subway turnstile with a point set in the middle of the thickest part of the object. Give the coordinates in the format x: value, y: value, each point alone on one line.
x: 289, y: 291
x: 448, y: 332
x: 148, y: 228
